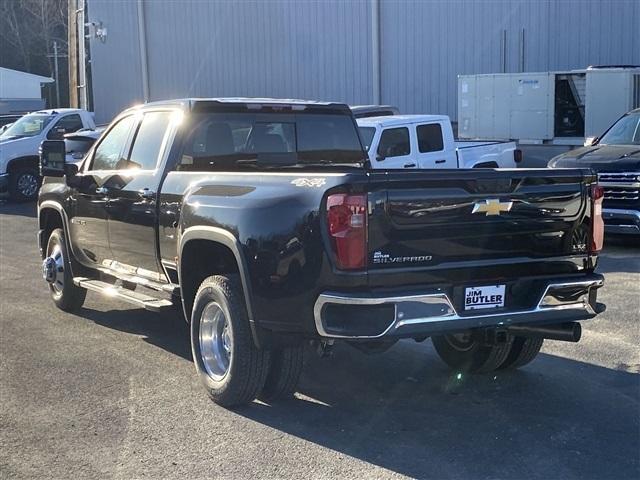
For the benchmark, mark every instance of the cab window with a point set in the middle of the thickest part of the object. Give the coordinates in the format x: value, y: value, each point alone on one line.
x: 394, y: 142
x: 109, y: 154
x: 67, y: 124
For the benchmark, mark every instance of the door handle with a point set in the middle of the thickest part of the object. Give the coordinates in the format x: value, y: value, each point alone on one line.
x: 147, y: 194
x: 409, y: 165
x: 440, y: 161
x: 102, y: 190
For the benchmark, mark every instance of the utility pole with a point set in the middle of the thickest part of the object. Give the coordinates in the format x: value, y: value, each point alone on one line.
x: 55, y: 69
x: 73, y: 53
x: 82, y: 67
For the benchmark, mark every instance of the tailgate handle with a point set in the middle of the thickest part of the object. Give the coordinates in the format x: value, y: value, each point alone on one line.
x: 409, y: 165
x: 440, y: 161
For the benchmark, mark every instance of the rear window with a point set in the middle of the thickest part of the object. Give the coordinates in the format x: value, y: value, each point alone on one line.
x: 221, y: 141
x: 430, y: 138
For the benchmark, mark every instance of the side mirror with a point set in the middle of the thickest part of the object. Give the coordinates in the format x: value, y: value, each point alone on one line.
x: 52, y: 156
x: 589, y: 141
x: 380, y: 156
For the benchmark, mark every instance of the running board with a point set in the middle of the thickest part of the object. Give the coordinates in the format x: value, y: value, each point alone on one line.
x: 145, y: 301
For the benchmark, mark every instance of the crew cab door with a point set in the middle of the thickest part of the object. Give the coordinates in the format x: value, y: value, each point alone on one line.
x: 394, y: 149
x: 132, y: 195
x: 434, y: 147
x: 89, y: 195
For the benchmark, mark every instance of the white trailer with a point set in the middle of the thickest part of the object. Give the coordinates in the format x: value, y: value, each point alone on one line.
x: 559, y: 108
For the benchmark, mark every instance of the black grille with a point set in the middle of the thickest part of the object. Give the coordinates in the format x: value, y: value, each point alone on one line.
x: 620, y: 187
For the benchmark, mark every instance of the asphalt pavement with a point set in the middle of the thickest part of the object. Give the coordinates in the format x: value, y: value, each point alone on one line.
x: 111, y: 392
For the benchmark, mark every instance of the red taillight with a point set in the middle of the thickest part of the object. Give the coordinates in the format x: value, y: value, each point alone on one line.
x: 597, y: 223
x: 347, y: 222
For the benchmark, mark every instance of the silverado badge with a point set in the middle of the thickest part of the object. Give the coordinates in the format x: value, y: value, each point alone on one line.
x: 491, y: 206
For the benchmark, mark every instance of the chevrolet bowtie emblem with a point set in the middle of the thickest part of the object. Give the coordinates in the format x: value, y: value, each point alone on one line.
x: 492, y: 206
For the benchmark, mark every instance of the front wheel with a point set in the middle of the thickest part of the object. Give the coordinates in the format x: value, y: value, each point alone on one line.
x: 468, y: 353
x: 56, y: 270
x: 24, y: 184
x: 231, y: 367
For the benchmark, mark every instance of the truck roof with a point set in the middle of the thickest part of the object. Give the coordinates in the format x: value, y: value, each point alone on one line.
x: 53, y: 111
x: 390, y: 121
x: 196, y: 103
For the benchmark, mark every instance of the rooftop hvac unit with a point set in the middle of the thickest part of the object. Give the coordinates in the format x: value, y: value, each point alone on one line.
x: 553, y: 107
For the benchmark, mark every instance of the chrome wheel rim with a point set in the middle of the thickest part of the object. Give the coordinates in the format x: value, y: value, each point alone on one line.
x: 461, y: 342
x: 27, y: 184
x: 57, y: 282
x: 216, y: 345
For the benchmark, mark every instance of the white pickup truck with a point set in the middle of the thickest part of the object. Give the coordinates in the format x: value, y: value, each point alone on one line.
x: 19, y: 144
x: 426, y: 141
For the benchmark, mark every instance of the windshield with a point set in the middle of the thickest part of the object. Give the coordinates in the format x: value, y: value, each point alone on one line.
x: 28, y: 126
x: 227, y: 140
x: 625, y: 131
x: 366, y: 135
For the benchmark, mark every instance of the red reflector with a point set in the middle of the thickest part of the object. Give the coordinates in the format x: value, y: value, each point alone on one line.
x: 347, y: 222
x: 517, y: 155
x: 597, y: 223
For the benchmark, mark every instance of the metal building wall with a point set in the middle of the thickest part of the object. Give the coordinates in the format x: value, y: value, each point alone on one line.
x: 301, y: 49
x: 427, y: 44
x: 322, y: 49
x: 115, y: 64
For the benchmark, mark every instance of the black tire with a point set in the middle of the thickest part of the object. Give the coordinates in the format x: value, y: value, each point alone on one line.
x: 24, y: 184
x: 471, y: 354
x: 284, y: 373
x: 243, y: 378
x: 523, y: 351
x: 66, y: 296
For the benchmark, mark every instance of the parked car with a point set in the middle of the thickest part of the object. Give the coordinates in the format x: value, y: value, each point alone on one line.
x: 364, y: 111
x: 262, y: 221
x: 426, y: 141
x: 19, y: 176
x: 615, y: 156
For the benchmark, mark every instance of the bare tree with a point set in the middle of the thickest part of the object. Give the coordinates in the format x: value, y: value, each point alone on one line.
x: 28, y: 29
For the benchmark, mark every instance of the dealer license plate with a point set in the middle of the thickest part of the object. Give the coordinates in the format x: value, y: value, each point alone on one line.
x: 491, y: 296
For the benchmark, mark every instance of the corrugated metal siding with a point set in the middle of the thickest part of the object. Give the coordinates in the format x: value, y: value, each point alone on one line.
x: 302, y: 49
x: 115, y: 64
x: 322, y: 50
x: 426, y: 44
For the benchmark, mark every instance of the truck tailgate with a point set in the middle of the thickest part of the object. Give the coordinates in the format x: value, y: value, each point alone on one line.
x: 486, y: 221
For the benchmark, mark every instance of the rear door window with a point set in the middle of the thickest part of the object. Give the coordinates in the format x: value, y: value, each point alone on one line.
x: 148, y: 141
x: 430, y: 138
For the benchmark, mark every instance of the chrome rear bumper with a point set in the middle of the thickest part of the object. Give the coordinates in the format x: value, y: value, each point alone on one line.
x: 434, y: 313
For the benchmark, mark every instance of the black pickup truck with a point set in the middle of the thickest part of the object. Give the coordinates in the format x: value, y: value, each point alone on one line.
x: 615, y: 157
x: 263, y: 222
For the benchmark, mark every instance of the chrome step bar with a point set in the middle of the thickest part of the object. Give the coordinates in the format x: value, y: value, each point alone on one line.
x: 108, y: 289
